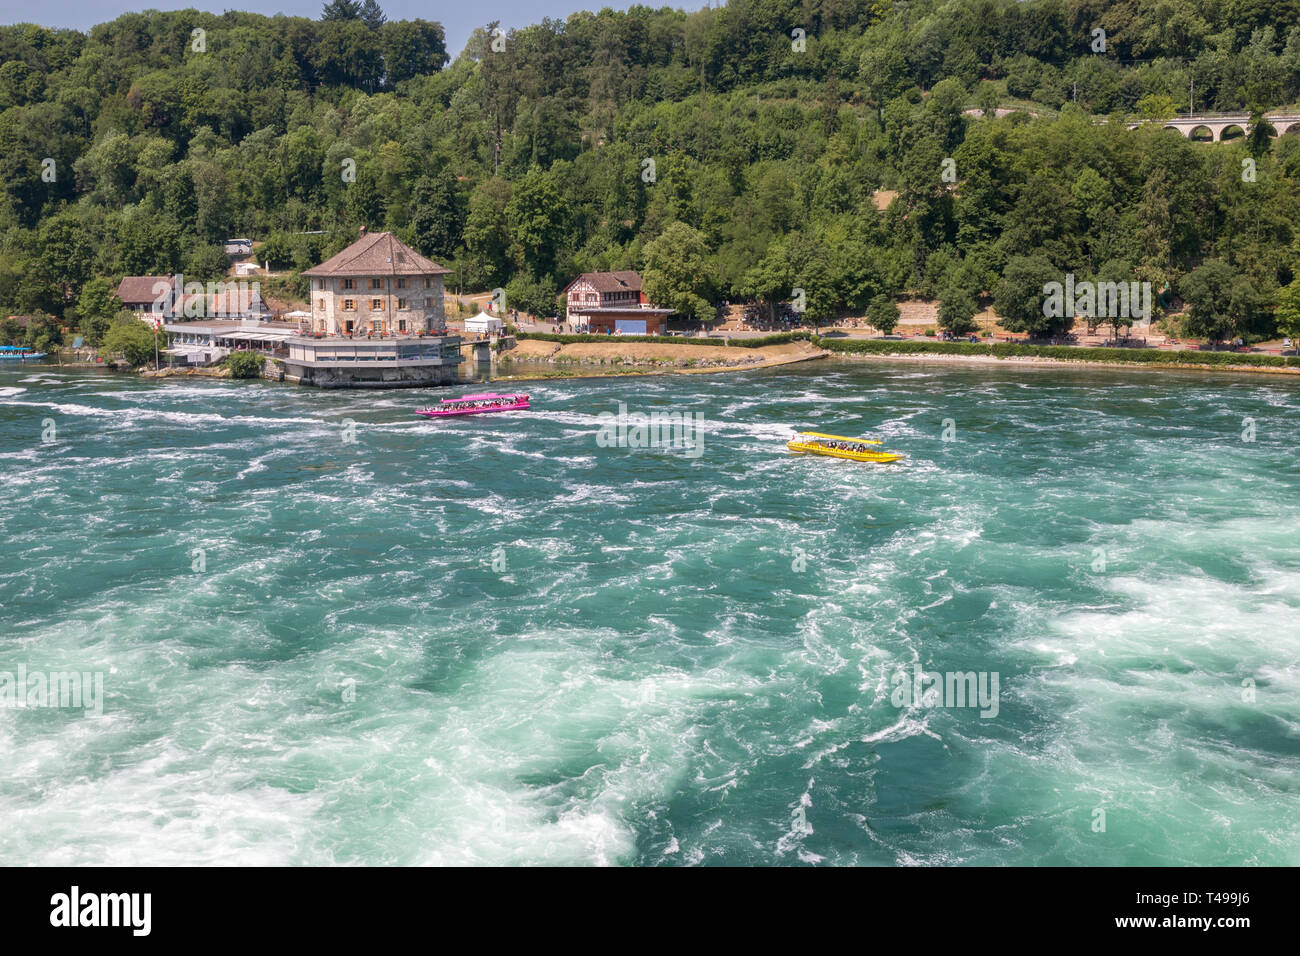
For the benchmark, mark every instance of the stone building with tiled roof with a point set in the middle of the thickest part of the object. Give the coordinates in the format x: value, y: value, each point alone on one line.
x: 377, y: 285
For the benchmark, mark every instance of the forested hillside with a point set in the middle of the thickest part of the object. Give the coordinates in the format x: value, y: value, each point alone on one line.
x: 729, y: 153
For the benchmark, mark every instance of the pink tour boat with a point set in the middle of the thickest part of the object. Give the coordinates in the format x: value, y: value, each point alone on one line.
x: 474, y: 405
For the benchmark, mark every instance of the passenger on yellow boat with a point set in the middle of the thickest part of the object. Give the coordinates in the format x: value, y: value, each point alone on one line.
x: 844, y: 446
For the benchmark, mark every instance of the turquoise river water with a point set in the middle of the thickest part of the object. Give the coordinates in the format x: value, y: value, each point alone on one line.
x: 329, y: 631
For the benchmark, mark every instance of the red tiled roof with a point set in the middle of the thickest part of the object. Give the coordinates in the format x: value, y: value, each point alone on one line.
x: 377, y: 254
x: 623, y: 281
x: 621, y: 310
x: 140, y: 288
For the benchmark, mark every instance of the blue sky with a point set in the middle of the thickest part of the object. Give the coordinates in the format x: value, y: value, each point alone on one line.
x: 459, y: 19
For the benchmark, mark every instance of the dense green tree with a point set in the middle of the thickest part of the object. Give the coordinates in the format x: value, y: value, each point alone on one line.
x: 957, y: 308
x: 437, y: 214
x: 96, y: 305
x: 1119, y: 272
x: 147, y: 247
x: 341, y: 10
x: 372, y: 15
x: 66, y: 254
x: 532, y: 296
x: 487, y: 236
x: 132, y: 339
x: 244, y: 364
x: 42, y: 333
x: 1019, y: 298
x: 206, y: 262
x: 676, y: 273
x: 11, y: 333
x: 365, y: 203
x: 349, y: 53
x: 538, y: 213
x: 771, y: 280
x: 412, y: 48
x: 883, y: 313
x: 1222, y: 303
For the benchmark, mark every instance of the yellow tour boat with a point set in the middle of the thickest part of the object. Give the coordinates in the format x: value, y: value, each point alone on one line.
x: 837, y: 446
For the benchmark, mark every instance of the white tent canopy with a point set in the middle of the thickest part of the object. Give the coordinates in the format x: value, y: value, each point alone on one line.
x: 483, y: 323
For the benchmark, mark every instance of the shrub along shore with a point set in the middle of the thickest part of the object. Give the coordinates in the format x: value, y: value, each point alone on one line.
x: 780, y: 338
x: 1183, y: 358
x: 1065, y: 353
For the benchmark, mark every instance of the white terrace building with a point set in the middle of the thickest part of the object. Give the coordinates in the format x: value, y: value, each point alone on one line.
x: 377, y: 285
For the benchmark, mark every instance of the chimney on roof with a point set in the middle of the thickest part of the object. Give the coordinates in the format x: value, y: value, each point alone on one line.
x: 363, y: 230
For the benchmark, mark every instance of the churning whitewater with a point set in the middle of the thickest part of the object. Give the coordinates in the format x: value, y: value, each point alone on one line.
x: 1065, y: 630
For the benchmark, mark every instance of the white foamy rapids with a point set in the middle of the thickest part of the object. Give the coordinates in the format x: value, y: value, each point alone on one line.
x: 676, y: 657
x: 538, y: 756
x: 1170, y: 710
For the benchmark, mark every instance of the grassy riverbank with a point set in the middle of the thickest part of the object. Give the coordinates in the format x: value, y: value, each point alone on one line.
x: 629, y: 351
x: 641, y: 355
x: 780, y: 338
x: 1182, y: 358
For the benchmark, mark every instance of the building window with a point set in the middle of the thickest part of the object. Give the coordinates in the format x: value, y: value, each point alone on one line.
x: 321, y: 305
x: 349, y: 284
x: 427, y: 282
x: 402, y: 303
x: 349, y: 305
x: 401, y: 325
x: 376, y: 325
x: 376, y: 305
x: 376, y: 283
x: 401, y: 283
